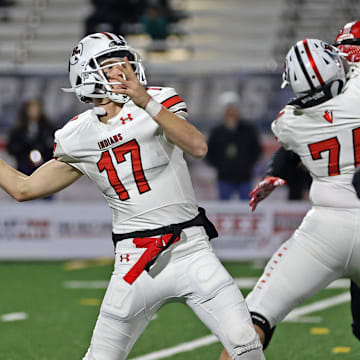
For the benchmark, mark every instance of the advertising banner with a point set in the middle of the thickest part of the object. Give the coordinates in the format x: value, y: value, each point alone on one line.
x: 46, y: 230
x: 55, y: 230
x: 244, y: 235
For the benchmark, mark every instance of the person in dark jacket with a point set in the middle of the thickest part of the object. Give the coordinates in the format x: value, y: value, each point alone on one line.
x: 234, y: 148
x: 31, y: 139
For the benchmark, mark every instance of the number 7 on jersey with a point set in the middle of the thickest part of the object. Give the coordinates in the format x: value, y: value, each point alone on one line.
x: 333, y: 146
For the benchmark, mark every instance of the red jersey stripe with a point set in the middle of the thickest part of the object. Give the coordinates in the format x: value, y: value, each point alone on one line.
x: 176, y: 99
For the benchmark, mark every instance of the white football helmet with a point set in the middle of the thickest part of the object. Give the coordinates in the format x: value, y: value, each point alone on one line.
x: 312, y: 64
x: 86, y: 74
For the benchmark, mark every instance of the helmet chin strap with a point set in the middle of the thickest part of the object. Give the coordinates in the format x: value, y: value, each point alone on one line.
x: 320, y: 95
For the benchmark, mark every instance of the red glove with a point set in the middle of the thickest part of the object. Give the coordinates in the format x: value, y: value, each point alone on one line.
x: 263, y: 189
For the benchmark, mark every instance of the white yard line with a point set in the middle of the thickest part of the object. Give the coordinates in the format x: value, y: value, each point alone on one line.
x: 13, y: 317
x: 340, y: 284
x: 93, y: 284
x: 184, y: 347
x: 306, y: 320
x: 207, y: 340
x: 319, y: 305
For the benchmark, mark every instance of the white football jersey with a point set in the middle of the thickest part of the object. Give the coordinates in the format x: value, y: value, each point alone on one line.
x: 142, y: 175
x: 327, y: 139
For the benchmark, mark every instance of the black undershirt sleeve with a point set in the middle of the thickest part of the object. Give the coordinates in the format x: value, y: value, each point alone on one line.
x: 282, y: 164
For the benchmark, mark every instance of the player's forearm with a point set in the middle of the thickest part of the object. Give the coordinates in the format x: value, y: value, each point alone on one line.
x: 182, y: 133
x: 12, y: 181
x: 178, y: 130
x: 49, y: 178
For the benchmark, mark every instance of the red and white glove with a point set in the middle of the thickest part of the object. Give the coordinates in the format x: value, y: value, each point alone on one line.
x: 352, y: 52
x: 263, y: 189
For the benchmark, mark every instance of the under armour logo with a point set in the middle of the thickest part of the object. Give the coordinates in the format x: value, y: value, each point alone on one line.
x: 125, y: 257
x: 124, y: 120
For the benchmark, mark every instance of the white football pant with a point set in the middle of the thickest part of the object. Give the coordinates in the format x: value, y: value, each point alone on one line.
x: 324, y: 248
x: 188, y: 272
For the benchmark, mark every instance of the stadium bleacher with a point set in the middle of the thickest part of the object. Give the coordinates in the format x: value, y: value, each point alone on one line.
x: 40, y: 33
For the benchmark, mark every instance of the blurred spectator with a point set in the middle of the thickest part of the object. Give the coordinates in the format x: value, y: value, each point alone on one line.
x: 31, y: 139
x: 4, y: 9
x: 234, y: 148
x: 154, y: 17
x: 159, y: 20
x: 155, y: 22
x: 114, y: 16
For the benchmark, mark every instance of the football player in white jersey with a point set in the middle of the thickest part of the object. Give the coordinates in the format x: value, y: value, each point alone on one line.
x: 131, y: 145
x: 348, y: 41
x: 322, y: 127
x: 283, y: 162
x: 319, y: 128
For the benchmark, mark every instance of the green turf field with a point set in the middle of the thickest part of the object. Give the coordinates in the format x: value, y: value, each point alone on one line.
x: 48, y: 311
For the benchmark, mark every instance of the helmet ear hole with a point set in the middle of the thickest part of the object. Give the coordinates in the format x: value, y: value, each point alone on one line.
x: 336, y: 87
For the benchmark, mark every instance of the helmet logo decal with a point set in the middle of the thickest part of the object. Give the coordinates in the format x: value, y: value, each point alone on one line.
x: 76, y: 54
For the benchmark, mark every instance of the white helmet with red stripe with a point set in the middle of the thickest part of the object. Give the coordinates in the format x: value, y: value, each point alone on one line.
x: 348, y: 41
x: 86, y: 74
x: 312, y: 64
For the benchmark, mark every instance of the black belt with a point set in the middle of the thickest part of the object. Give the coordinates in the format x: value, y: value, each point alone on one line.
x: 199, y: 220
x: 175, y: 229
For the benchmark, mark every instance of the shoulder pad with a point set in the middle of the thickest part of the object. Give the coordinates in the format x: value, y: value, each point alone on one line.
x: 77, y: 119
x: 168, y: 97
